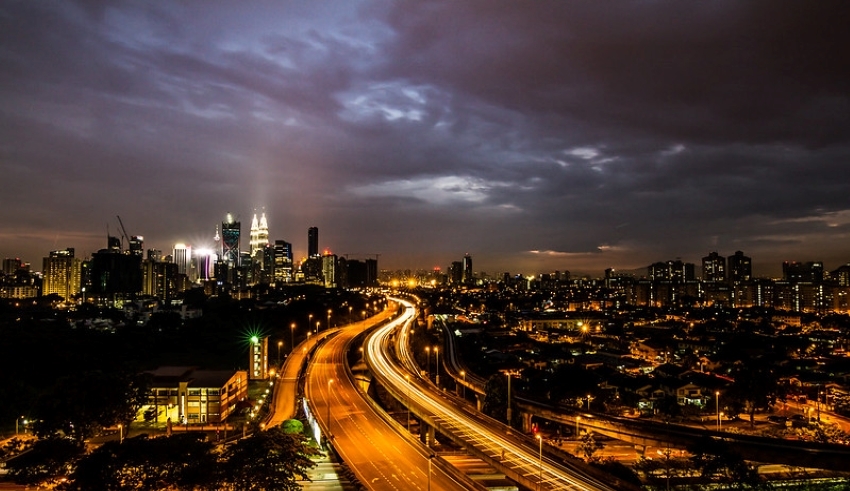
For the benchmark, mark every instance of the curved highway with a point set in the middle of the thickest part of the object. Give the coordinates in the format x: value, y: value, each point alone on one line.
x: 479, y: 433
x: 381, y: 457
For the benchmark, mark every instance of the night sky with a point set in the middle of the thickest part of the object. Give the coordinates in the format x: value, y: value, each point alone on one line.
x: 535, y: 136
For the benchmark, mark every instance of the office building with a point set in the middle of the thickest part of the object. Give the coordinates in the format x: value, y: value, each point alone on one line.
x: 188, y: 395
x: 258, y: 358
x: 230, y: 233
x: 468, y: 277
x: 259, y: 234
x: 313, y: 242
x: 61, y: 274
x: 282, y: 262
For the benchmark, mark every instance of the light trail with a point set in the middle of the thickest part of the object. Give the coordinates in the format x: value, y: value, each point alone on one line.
x: 475, y: 429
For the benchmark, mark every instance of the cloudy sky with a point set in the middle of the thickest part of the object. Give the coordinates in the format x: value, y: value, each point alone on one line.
x: 535, y: 136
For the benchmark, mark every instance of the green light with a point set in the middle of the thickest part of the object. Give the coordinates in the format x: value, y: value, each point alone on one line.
x: 255, y: 339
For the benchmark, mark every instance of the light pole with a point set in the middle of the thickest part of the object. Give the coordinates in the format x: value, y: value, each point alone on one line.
x: 430, y: 457
x: 317, y: 326
x: 329, y: 319
x: 588, y: 402
x: 292, y: 337
x: 463, y: 374
x: 349, y: 314
x: 279, y: 345
x: 428, y: 356
x: 16, y: 424
x: 509, y: 396
x: 717, y: 408
x: 120, y: 433
x: 540, y: 463
x: 578, y: 419
x: 437, y: 364
x: 719, y: 422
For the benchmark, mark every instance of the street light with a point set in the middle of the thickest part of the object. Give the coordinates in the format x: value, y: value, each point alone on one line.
x: 589, y: 397
x: 540, y: 462
x: 578, y: 419
x: 463, y: 374
x: 292, y: 337
x: 437, y: 364
x: 309, y: 321
x: 120, y: 433
x: 510, y: 375
x: 349, y: 314
x: 329, y: 319
x: 428, y: 356
x: 717, y: 408
x: 317, y: 326
x: 719, y: 424
x: 279, y: 345
x: 16, y: 424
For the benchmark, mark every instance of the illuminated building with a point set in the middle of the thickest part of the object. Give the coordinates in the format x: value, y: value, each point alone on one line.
x: 185, y: 394
x: 282, y: 262
x: 230, y: 232
x: 329, y: 270
x: 468, y: 278
x: 259, y: 234
x: 114, y: 275
x: 714, y: 268
x: 258, y: 358
x: 182, y: 257
x: 61, y: 274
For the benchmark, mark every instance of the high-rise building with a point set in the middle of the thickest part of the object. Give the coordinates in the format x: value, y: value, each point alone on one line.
x: 810, y: 272
x: 329, y: 270
x: 714, y: 268
x: 313, y: 242
x: 456, y: 272
x: 182, y: 257
x: 259, y: 234
x: 282, y: 262
x: 230, y: 232
x: 740, y: 267
x: 61, y: 274
x: 11, y: 265
x: 468, y: 278
x: 136, y: 245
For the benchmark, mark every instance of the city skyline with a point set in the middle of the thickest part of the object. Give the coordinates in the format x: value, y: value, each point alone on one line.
x: 554, y: 136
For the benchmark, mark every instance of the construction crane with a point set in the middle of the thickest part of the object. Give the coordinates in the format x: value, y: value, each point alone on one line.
x: 123, y: 233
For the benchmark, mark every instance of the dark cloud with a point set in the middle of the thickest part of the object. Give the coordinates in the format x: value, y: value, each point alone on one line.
x: 536, y: 136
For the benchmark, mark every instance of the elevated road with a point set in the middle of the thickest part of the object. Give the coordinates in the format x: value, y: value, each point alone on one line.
x: 381, y: 457
x: 482, y: 436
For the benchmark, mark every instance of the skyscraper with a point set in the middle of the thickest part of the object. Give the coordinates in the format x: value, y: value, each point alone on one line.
x: 230, y: 232
x: 182, y: 256
x: 61, y: 274
x: 259, y: 234
x: 313, y: 242
x: 467, y: 270
x: 282, y: 261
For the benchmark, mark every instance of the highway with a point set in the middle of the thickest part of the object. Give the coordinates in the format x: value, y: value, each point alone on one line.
x: 481, y: 435
x: 381, y: 457
x: 285, y: 398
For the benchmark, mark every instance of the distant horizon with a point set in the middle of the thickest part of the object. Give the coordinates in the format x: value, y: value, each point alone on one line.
x: 536, y: 136
x: 490, y: 267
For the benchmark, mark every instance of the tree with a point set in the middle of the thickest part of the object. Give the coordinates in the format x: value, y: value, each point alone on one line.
x: 182, y: 461
x: 78, y: 405
x: 46, y: 462
x: 266, y: 460
x: 756, y: 387
x: 718, y: 463
x: 589, y: 446
x: 495, y: 397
